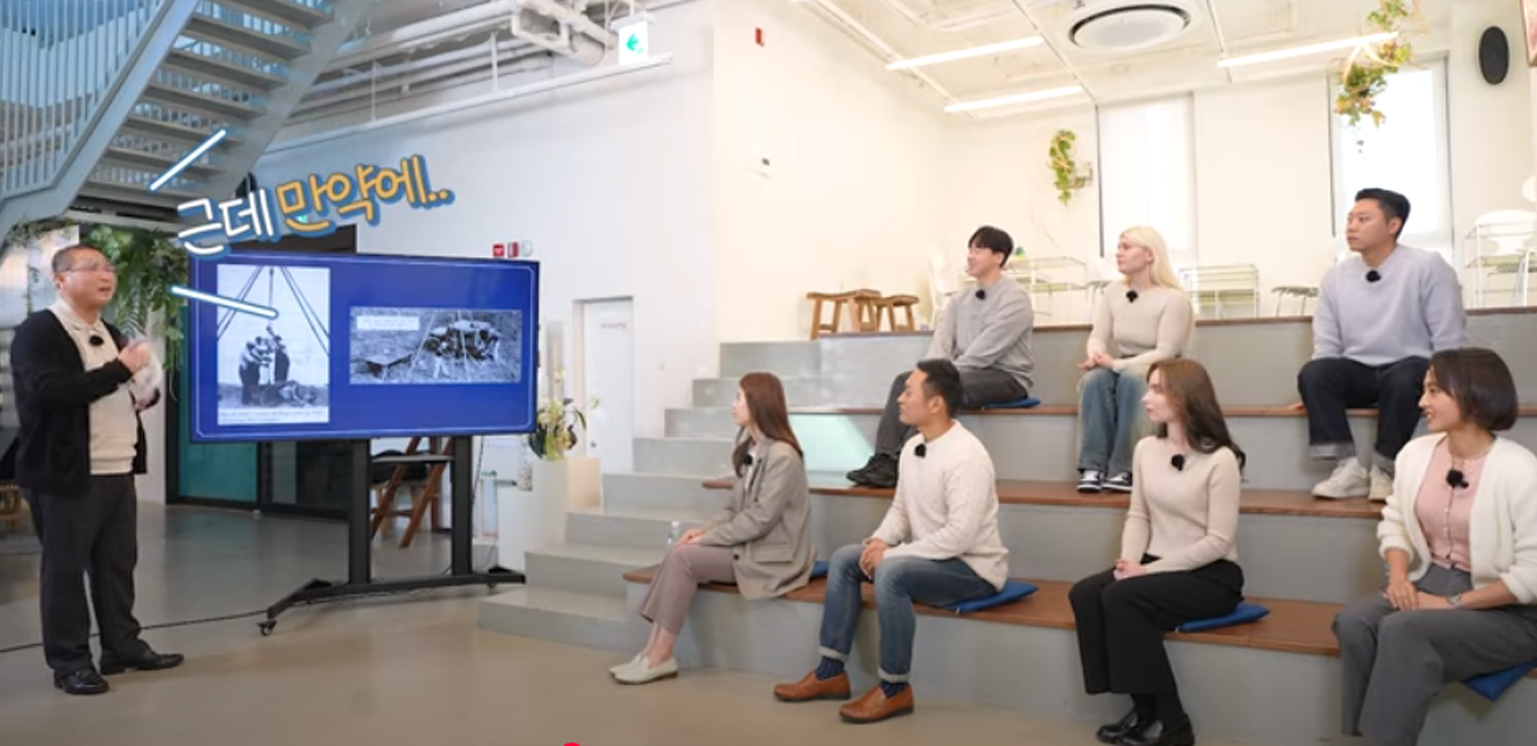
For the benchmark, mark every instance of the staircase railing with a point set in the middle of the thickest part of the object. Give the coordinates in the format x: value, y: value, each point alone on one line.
x: 69, y: 72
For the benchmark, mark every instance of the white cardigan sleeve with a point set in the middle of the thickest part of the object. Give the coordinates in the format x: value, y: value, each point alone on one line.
x: 1408, y: 472
x: 1521, y: 503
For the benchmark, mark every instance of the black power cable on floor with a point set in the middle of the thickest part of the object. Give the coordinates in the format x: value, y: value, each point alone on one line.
x: 163, y: 625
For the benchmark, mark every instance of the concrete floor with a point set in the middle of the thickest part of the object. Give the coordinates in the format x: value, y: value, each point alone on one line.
x: 401, y: 670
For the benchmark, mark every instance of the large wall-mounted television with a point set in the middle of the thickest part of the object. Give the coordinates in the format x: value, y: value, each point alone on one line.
x: 362, y: 347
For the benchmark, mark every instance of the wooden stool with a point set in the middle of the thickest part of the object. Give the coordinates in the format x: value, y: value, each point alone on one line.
x: 13, y: 509
x: 890, y: 304
x: 863, y: 313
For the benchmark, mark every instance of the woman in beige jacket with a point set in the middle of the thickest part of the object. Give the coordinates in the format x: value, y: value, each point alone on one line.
x: 760, y: 540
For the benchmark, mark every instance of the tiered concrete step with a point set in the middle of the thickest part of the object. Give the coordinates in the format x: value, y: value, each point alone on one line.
x: 564, y: 616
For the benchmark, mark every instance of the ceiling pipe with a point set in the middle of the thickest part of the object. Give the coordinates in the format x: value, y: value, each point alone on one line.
x: 569, y: 16
x: 508, y: 51
x: 390, y: 71
x: 461, y: 77
x: 426, y: 33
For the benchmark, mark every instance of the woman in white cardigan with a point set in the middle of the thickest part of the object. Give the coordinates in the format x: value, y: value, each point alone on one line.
x: 1459, y: 535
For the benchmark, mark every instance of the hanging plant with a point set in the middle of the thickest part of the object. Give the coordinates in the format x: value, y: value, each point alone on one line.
x: 148, y: 263
x: 1065, y: 169
x: 1364, y: 75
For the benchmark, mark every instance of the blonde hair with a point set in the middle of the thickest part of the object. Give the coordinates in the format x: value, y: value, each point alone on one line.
x: 1149, y: 238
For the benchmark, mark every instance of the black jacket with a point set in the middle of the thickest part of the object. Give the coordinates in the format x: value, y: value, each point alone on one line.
x: 53, y: 397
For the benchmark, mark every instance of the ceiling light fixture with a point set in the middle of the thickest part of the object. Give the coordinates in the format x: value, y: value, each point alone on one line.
x: 1015, y: 99
x: 1309, y: 49
x: 965, y: 53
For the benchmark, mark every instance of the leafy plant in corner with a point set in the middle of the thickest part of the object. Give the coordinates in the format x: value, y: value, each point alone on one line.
x: 148, y: 263
x: 555, y: 428
x: 1063, y: 165
x: 1364, y: 75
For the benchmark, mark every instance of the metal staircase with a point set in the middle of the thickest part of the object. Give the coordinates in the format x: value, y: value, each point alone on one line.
x: 98, y: 98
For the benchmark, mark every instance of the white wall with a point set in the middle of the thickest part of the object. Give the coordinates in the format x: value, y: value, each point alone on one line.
x: 848, y: 200
x: 1491, y: 126
x: 610, y: 181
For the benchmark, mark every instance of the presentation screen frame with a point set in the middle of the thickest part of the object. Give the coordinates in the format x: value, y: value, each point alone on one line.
x: 364, y: 346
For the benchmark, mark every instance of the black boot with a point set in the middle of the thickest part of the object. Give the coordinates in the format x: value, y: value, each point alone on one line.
x: 1135, y: 720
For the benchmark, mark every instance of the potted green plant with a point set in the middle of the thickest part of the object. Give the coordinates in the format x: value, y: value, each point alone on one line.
x: 1364, y: 75
x: 1068, y: 176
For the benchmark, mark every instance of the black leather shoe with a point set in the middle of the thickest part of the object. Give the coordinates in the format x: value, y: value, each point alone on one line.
x: 1155, y: 734
x: 880, y: 473
x: 83, y: 681
x: 1133, y: 722
x: 149, y: 661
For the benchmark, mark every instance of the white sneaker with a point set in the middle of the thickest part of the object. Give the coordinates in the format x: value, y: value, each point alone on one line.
x: 631, y: 663
x: 1382, y: 484
x: 644, y: 673
x: 1348, y: 480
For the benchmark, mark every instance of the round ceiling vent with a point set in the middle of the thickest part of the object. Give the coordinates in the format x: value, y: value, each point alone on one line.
x: 1126, y: 25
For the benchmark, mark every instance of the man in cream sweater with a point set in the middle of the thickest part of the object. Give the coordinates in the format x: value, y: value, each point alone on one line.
x: 938, y: 545
x: 986, y: 332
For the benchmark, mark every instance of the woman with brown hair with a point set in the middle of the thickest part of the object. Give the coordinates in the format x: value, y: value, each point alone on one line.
x: 1178, y: 560
x: 760, y: 540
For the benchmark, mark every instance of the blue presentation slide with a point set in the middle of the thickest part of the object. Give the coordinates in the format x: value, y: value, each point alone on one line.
x: 363, y: 347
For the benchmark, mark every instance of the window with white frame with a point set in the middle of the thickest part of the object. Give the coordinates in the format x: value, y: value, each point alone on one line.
x: 1408, y: 154
x: 1147, y: 173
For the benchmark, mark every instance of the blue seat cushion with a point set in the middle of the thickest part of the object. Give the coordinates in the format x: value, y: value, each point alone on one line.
x: 1491, y: 685
x: 1013, y: 590
x: 1245, y: 613
x: 1025, y: 403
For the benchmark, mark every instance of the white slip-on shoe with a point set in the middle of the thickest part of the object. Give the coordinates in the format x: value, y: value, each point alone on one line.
x: 631, y: 663
x: 644, y: 673
x: 1348, y: 480
x: 1382, y: 484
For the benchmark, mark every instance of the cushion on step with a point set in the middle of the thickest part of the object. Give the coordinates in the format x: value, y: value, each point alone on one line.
x: 1491, y: 685
x: 1028, y: 402
x: 1245, y: 613
x: 1013, y: 590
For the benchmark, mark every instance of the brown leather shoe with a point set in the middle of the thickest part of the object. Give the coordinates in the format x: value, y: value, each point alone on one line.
x: 811, y: 688
x: 875, y: 707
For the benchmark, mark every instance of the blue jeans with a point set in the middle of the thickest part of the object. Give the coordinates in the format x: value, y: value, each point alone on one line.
x: 898, y: 583
x: 1110, y: 414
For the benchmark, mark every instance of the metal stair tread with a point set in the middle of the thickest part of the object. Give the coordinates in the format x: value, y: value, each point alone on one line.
x: 214, y: 30
x: 171, y: 131
x: 559, y: 601
x: 168, y: 95
x: 219, y: 71
x: 284, y: 12
x: 152, y: 161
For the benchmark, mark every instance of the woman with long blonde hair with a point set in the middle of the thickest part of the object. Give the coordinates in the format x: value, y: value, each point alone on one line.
x: 1142, y: 319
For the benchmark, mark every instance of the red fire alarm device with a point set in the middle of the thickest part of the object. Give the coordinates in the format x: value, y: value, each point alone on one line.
x: 757, y: 35
x: 498, y: 251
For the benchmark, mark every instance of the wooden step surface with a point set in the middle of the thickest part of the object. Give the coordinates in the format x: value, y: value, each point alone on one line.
x: 1059, y: 410
x: 1029, y: 492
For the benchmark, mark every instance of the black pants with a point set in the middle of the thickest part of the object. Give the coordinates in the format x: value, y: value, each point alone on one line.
x: 250, y: 380
x: 1121, y: 623
x: 97, y: 534
x: 979, y: 388
x: 1329, y: 386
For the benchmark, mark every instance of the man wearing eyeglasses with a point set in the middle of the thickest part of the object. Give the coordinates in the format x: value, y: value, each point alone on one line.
x: 80, y: 385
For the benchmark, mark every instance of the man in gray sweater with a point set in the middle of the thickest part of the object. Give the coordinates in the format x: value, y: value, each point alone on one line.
x: 985, y: 332
x: 1381, y: 314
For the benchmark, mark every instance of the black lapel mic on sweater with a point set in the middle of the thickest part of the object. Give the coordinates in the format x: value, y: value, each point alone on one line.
x: 97, y: 341
x: 1456, y: 479
x: 747, y: 459
x: 981, y: 295
x: 1178, y: 462
x: 1373, y: 276
x: 1131, y: 296
x: 921, y: 451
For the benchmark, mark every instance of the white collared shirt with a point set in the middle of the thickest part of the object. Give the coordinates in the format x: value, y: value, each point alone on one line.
x: 114, y: 425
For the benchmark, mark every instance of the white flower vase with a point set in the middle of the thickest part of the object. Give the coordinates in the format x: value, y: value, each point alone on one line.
x: 537, y: 518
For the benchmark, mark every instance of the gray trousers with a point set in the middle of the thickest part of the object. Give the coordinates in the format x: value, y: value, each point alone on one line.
x: 677, y: 580
x: 979, y: 387
x: 1394, y: 662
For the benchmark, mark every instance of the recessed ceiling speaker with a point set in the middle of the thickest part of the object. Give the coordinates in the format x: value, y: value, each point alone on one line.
x: 1493, y: 55
x: 1127, y: 25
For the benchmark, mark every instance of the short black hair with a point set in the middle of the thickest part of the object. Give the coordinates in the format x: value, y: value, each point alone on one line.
x: 943, y: 380
x: 1481, y: 383
x: 1393, y: 204
x: 993, y: 239
x: 65, y: 258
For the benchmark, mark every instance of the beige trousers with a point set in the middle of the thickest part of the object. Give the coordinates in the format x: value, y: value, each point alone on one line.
x: 673, y: 588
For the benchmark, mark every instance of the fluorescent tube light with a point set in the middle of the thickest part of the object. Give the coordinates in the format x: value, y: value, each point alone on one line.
x: 962, y: 54
x: 1015, y: 99
x: 1309, y: 49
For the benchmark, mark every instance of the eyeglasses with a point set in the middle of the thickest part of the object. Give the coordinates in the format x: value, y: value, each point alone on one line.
x: 93, y: 268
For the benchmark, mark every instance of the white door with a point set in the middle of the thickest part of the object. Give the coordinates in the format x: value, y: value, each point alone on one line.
x: 608, y: 375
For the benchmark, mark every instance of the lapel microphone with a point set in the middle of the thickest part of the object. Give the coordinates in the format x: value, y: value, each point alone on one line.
x: 1373, y: 276
x: 97, y: 341
x: 1456, y: 479
x: 1178, y: 462
x: 1131, y: 296
x: 747, y: 459
x: 981, y: 295
x: 922, y: 449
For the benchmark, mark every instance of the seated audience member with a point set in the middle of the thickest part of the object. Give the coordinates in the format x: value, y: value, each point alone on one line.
x: 1145, y: 318
x: 1178, y: 560
x: 937, y: 545
x: 985, y: 332
x: 1381, y: 314
x: 1459, y: 534
x: 760, y: 541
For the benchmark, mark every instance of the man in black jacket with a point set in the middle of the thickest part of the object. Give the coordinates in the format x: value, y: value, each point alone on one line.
x: 81, y: 444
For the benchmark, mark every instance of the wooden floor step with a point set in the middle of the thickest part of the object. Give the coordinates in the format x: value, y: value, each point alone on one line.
x: 1025, y: 492
x: 1060, y: 410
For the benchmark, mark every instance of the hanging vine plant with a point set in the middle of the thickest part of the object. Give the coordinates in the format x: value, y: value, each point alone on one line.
x: 148, y: 263
x: 1064, y: 167
x: 1364, y: 75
